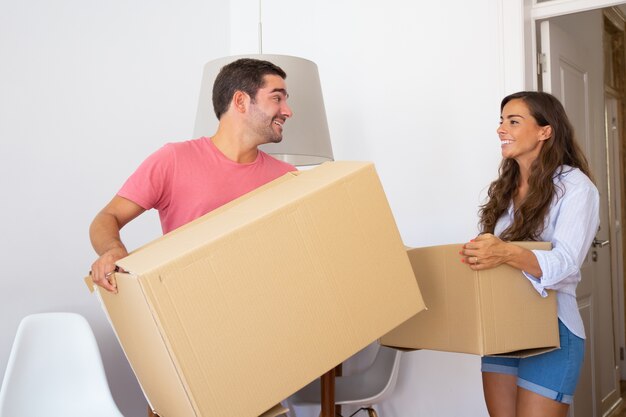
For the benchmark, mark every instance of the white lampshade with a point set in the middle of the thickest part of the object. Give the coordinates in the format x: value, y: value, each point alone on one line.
x: 306, y: 140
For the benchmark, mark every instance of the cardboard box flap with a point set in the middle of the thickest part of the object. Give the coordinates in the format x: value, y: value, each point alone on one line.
x: 241, y: 211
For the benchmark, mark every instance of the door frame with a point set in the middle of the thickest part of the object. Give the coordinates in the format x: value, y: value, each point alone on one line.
x: 518, y: 35
x: 617, y: 261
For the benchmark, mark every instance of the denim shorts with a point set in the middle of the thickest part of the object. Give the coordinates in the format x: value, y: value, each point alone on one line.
x: 552, y: 374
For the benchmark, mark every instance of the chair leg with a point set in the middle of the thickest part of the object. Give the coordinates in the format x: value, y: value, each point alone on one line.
x: 371, y: 412
x: 150, y: 413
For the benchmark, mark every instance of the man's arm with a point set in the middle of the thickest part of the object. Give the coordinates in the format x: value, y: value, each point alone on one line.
x: 105, y: 239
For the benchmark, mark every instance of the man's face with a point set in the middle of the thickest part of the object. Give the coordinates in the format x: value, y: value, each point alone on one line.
x: 269, y: 110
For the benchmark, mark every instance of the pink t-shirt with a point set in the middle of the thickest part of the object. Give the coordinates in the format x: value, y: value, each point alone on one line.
x: 186, y: 180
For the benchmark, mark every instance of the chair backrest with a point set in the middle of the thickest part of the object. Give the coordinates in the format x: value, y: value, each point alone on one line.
x: 372, y: 385
x: 55, y: 369
x: 364, y: 388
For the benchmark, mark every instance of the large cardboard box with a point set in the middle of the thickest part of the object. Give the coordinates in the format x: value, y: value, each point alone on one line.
x: 493, y: 311
x: 239, y: 309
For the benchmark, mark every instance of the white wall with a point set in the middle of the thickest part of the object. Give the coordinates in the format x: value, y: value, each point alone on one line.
x: 88, y: 88
x: 414, y: 87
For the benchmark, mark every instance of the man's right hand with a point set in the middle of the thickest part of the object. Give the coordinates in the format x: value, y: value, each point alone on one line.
x: 104, y: 268
x: 104, y: 233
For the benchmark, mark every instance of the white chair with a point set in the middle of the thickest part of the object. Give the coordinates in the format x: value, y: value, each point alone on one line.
x: 363, y: 389
x: 55, y: 370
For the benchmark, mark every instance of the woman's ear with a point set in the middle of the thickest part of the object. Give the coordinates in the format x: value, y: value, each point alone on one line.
x: 545, y: 133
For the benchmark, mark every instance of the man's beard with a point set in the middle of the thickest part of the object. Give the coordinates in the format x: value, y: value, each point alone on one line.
x: 263, y: 126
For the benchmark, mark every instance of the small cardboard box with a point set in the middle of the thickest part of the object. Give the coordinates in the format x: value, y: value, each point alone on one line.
x: 234, y: 312
x: 493, y: 311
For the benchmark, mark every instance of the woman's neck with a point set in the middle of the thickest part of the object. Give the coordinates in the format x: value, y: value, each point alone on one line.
x: 522, y: 185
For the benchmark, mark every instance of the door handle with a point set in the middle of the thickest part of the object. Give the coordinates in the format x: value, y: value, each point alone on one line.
x: 599, y: 243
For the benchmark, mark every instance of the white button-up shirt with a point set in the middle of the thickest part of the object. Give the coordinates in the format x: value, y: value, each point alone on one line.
x: 571, y: 225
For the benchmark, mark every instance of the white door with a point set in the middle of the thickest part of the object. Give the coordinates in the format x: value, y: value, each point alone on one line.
x: 572, y: 53
x: 612, y: 123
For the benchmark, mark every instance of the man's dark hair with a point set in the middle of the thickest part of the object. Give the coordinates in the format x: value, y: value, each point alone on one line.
x: 245, y: 75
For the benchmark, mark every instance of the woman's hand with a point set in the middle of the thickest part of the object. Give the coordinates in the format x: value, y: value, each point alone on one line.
x: 485, y: 251
x: 488, y: 251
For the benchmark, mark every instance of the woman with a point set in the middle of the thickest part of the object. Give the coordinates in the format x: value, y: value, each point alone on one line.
x: 543, y: 193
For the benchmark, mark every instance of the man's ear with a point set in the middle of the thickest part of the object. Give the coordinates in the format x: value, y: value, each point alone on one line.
x: 240, y: 101
x: 546, y: 132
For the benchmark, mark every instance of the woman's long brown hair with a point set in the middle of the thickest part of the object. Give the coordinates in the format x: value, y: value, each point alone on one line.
x: 560, y: 149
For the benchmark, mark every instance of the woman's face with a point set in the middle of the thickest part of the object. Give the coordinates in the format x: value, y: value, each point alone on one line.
x: 521, y: 138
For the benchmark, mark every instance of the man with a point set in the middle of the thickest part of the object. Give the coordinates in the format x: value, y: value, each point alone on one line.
x: 186, y: 180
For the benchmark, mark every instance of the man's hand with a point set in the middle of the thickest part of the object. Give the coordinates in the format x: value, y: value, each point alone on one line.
x: 105, y: 238
x: 104, y: 268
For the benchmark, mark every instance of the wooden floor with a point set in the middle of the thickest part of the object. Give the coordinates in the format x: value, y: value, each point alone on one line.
x: 621, y: 410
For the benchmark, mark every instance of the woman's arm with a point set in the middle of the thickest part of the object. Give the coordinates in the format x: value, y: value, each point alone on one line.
x: 574, y: 222
x: 488, y: 251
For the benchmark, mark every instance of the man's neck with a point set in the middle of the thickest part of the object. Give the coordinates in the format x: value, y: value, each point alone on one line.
x: 234, y: 146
